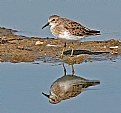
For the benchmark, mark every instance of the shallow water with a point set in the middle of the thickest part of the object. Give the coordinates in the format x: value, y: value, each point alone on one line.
x: 28, y: 16
x: 21, y: 84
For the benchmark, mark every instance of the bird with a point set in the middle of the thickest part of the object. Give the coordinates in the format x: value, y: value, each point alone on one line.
x: 68, y: 30
x: 68, y: 86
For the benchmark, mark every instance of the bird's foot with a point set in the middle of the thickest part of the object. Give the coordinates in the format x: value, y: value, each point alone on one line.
x: 61, y: 56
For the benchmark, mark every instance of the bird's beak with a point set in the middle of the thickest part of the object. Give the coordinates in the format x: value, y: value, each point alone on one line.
x: 45, y: 25
x: 45, y: 95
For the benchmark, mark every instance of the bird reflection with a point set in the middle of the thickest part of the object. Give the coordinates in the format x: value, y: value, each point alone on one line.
x: 68, y: 86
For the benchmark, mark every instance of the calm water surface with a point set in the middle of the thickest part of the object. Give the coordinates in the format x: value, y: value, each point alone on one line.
x: 28, y: 16
x: 21, y: 84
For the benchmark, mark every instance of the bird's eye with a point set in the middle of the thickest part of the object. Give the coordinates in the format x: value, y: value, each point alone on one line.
x: 53, y: 100
x: 53, y: 20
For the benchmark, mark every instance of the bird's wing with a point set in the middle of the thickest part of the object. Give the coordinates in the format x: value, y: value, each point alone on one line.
x: 77, y: 29
x: 73, y: 91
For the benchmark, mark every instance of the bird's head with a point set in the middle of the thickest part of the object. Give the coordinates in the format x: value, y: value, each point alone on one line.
x: 53, y: 99
x: 52, y: 21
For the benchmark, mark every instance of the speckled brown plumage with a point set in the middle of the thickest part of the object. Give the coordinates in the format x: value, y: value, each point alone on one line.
x: 59, y: 25
x: 68, y: 30
x: 68, y: 86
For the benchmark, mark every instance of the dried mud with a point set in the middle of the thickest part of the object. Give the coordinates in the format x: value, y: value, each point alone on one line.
x: 14, y: 48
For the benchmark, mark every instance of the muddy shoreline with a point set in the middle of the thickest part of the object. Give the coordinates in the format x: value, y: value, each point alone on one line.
x: 14, y: 48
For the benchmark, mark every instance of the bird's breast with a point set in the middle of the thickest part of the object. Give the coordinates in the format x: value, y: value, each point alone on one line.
x: 64, y: 35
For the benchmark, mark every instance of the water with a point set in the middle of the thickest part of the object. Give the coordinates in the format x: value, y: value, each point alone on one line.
x: 21, y: 84
x: 28, y: 16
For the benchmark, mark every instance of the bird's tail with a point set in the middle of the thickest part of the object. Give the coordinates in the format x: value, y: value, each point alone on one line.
x: 94, y: 82
x: 93, y: 32
x: 91, y: 83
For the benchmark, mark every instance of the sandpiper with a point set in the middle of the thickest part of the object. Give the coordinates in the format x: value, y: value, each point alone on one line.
x: 68, y: 86
x: 68, y: 30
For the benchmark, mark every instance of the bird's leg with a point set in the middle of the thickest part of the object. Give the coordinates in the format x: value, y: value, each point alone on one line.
x: 72, y: 69
x: 63, y: 50
x: 72, y: 51
x: 65, y: 44
x: 64, y: 70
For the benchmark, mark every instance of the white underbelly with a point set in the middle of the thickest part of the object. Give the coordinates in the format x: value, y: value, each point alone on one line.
x: 67, y: 37
x: 71, y: 38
